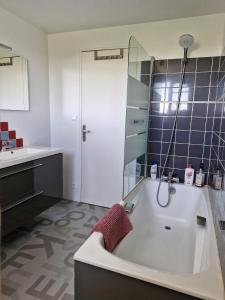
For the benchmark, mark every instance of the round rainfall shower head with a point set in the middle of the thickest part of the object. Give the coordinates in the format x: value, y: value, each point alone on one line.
x: 186, y: 40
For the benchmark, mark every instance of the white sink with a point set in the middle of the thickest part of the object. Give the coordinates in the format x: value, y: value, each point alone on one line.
x: 16, y: 156
x: 17, y: 153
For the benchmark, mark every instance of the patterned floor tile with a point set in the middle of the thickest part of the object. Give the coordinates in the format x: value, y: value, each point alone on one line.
x: 37, y: 262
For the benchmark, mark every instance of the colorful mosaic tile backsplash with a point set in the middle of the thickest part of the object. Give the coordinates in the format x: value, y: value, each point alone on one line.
x: 9, y: 136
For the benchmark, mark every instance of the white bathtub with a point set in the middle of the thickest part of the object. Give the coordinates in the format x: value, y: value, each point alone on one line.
x: 183, y: 257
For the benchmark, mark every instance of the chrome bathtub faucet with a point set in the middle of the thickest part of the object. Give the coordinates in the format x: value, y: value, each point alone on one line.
x: 170, y: 178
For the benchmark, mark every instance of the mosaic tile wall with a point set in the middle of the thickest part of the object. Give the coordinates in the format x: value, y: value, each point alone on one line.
x: 9, y: 136
x: 199, y: 116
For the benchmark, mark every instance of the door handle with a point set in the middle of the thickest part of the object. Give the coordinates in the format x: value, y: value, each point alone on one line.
x: 84, y: 132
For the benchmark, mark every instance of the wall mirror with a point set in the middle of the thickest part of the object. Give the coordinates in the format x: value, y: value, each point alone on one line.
x: 14, y: 94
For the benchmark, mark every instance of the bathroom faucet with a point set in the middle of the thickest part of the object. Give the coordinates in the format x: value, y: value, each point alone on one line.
x: 170, y: 178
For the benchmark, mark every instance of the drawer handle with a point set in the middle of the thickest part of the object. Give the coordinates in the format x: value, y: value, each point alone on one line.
x: 23, y: 200
x: 20, y: 170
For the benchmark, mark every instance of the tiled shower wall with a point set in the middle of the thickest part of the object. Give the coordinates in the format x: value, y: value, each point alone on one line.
x: 200, y: 113
x: 218, y: 154
x: 200, y: 135
x: 218, y: 144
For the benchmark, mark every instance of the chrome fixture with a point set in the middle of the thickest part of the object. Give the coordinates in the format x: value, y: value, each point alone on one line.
x: 185, y: 41
x: 170, y: 178
x: 129, y: 207
x: 6, y: 63
x: 84, y: 132
x: 107, y: 57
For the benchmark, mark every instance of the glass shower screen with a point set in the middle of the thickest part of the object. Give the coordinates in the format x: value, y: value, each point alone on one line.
x: 137, y: 114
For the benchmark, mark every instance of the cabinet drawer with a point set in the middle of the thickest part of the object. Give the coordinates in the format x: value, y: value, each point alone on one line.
x: 28, y: 189
x: 24, y: 210
x: 17, y: 182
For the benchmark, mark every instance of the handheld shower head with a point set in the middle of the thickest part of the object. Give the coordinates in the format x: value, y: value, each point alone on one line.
x: 186, y: 41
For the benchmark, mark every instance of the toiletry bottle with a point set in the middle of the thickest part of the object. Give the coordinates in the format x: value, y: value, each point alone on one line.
x: 217, y: 180
x: 189, y: 175
x: 214, y: 177
x: 154, y: 170
x: 200, y: 176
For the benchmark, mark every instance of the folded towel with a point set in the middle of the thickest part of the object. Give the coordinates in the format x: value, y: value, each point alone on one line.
x: 114, y: 226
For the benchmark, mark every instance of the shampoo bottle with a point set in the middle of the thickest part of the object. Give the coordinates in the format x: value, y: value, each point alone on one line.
x: 189, y: 175
x: 154, y: 170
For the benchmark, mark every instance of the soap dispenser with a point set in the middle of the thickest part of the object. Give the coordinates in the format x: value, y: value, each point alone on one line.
x: 217, y: 179
x: 200, y: 176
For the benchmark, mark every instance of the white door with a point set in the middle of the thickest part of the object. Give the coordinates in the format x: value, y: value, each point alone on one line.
x: 104, y: 86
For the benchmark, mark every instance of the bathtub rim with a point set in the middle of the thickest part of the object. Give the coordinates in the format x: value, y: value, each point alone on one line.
x: 205, y: 285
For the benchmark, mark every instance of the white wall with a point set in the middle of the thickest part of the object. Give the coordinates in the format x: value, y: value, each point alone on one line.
x: 26, y: 40
x: 223, y: 45
x: 160, y: 39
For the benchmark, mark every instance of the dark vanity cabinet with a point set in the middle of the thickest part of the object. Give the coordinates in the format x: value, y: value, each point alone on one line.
x: 29, y: 188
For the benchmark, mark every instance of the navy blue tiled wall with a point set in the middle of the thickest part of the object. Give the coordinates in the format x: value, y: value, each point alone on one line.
x: 201, y: 113
x: 218, y: 159
x: 218, y: 140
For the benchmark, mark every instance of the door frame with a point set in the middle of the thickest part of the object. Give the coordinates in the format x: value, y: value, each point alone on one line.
x: 78, y: 161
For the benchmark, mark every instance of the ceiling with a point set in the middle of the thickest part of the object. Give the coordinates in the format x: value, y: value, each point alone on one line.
x: 67, y: 15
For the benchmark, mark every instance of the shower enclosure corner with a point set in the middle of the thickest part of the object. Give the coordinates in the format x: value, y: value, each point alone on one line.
x: 137, y: 115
